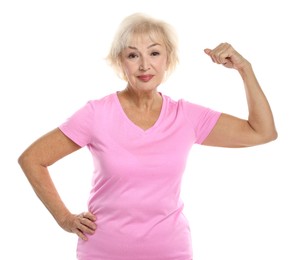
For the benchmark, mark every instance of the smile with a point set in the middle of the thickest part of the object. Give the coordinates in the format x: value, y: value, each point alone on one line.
x: 145, y: 78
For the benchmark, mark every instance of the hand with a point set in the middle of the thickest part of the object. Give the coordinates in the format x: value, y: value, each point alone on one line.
x: 80, y: 224
x: 226, y: 55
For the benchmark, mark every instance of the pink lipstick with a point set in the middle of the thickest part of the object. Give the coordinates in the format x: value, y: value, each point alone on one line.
x: 145, y: 78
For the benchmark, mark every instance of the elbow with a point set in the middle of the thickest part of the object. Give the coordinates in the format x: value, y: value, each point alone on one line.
x: 29, y: 161
x: 22, y: 160
x: 271, y: 136
x: 27, y: 164
x: 274, y: 135
x: 25, y: 161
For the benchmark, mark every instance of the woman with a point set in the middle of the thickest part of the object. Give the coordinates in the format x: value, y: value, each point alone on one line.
x: 139, y: 139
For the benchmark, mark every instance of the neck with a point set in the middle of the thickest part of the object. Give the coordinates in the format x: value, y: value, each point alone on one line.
x: 141, y: 100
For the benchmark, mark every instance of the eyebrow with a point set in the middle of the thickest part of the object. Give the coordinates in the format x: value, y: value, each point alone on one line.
x: 150, y: 46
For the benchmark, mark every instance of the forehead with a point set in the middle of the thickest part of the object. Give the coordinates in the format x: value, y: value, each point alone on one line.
x: 140, y: 39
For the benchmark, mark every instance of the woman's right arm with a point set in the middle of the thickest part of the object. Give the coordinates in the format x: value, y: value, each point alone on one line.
x: 34, y: 162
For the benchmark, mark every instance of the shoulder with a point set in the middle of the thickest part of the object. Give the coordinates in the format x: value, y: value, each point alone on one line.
x: 100, y: 104
x: 91, y: 108
x: 182, y: 104
x: 191, y: 111
x: 108, y: 99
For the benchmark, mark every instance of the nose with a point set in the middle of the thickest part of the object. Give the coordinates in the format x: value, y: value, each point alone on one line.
x: 144, y: 64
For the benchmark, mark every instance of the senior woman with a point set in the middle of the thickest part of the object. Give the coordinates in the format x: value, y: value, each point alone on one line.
x: 140, y: 139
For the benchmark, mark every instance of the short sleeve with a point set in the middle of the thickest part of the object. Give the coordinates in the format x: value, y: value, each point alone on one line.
x: 202, y: 119
x: 79, y: 126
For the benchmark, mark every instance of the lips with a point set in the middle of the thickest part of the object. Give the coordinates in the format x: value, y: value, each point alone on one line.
x: 145, y: 78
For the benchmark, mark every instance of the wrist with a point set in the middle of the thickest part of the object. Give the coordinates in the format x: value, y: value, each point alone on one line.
x: 62, y: 217
x: 245, y: 69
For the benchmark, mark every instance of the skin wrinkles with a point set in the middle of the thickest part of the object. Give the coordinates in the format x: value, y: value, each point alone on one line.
x: 145, y: 63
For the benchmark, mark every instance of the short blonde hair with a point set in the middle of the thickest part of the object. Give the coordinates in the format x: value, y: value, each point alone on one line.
x: 136, y: 25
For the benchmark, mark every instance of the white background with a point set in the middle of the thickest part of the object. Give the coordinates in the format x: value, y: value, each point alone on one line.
x: 241, y: 203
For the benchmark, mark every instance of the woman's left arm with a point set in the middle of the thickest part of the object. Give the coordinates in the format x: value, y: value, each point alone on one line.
x: 231, y: 131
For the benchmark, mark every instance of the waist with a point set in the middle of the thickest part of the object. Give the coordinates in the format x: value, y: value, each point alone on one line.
x: 166, y: 240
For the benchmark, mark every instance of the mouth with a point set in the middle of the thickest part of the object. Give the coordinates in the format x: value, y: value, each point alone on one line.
x: 145, y: 78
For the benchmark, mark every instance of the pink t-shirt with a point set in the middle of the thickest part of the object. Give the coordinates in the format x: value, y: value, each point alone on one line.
x: 137, y: 176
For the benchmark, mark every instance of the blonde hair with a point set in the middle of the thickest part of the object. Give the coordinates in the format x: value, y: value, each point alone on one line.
x: 137, y: 25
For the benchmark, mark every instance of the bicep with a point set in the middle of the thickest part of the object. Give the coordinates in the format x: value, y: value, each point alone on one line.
x: 231, y: 131
x: 50, y: 148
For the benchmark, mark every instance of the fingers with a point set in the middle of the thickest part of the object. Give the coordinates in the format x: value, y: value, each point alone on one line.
x: 84, y: 224
x: 221, y: 54
x: 88, y: 215
x: 226, y: 55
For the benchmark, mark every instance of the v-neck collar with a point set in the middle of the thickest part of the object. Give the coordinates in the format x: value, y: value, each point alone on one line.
x: 132, y: 124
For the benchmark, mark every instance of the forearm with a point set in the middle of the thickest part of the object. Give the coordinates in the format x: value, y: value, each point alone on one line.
x: 260, y: 115
x: 43, y: 186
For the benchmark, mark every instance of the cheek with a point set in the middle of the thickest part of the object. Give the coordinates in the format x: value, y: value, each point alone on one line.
x: 164, y: 64
x: 129, y: 68
x: 128, y: 72
x: 126, y: 69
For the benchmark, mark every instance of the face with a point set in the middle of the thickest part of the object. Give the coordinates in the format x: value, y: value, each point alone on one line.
x: 144, y: 63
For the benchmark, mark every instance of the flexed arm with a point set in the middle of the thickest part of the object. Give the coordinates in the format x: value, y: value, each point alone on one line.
x: 231, y: 131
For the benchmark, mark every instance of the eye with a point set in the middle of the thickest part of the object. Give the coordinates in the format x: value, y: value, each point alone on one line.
x: 132, y: 55
x: 155, y: 53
